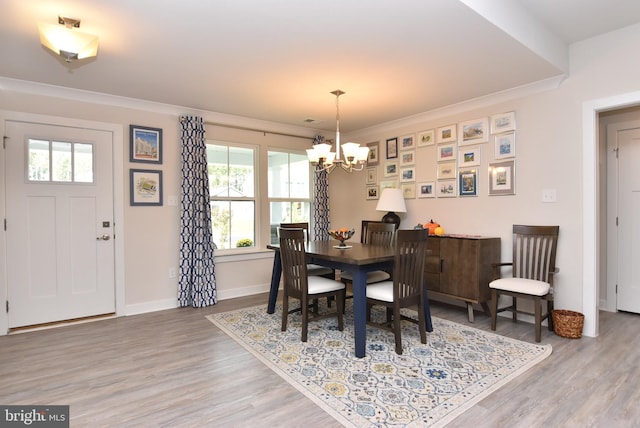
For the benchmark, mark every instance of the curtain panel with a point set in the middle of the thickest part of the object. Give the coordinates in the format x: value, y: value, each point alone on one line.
x: 196, y: 284
x: 320, y: 200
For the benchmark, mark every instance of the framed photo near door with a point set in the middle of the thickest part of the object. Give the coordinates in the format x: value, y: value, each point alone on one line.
x: 145, y: 187
x: 146, y: 144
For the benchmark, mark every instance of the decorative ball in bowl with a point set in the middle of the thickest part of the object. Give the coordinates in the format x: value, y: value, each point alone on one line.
x: 342, y: 235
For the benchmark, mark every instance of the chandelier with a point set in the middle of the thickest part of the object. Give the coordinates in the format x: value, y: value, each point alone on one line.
x: 354, y: 158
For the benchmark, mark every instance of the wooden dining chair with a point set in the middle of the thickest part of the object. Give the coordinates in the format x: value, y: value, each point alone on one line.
x: 407, y: 287
x: 533, y: 268
x: 376, y: 233
x: 312, y: 269
x: 299, y: 285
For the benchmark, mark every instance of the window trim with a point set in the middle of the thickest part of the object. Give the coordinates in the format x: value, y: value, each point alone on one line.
x: 271, y: 199
x: 257, y: 242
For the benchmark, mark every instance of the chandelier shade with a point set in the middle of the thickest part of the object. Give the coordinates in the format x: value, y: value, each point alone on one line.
x: 354, y: 159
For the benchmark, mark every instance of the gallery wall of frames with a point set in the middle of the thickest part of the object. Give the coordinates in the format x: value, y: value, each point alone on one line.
x: 456, y: 167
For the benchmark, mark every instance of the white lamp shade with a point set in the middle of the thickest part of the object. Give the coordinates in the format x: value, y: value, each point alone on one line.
x: 312, y: 154
x: 61, y: 40
x: 330, y: 157
x: 391, y: 200
x: 350, y: 150
x: 322, y: 149
x: 363, y: 154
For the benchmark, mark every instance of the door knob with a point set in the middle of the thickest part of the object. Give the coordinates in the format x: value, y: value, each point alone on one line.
x: 103, y: 238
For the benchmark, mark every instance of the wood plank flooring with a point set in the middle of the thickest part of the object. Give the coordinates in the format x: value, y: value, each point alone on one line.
x: 175, y: 368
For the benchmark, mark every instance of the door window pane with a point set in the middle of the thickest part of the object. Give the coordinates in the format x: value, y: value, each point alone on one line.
x: 60, y: 161
x: 38, y: 160
x: 83, y: 163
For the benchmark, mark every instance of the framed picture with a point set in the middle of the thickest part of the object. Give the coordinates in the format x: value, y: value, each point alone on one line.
x: 391, y: 169
x: 372, y: 175
x: 388, y: 184
x: 408, y: 190
x: 408, y: 174
x: 502, y: 178
x: 469, y: 157
x: 408, y: 157
x: 446, y: 134
x: 392, y: 148
x: 426, y: 138
x: 503, y: 122
x: 427, y: 190
x: 145, y: 187
x: 374, y: 153
x: 146, y: 144
x: 446, y: 189
x: 372, y: 192
x: 505, y: 145
x: 446, y: 152
x: 407, y: 142
x: 446, y: 170
x: 474, y: 131
x: 468, y: 182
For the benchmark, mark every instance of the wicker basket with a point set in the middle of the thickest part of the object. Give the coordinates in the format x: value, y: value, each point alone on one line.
x: 568, y: 323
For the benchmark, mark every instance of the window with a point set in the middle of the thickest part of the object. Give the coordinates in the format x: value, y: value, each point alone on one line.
x: 232, y: 184
x: 60, y: 161
x: 289, y: 181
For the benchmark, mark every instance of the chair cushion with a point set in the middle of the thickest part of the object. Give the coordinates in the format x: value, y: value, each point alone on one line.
x: 521, y: 285
x: 318, y: 270
x: 375, y: 276
x: 381, y: 291
x: 320, y: 284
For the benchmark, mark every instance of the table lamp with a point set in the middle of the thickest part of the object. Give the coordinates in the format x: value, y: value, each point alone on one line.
x: 392, y: 201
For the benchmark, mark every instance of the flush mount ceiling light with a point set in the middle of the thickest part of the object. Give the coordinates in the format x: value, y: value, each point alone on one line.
x: 67, y: 41
x: 355, y: 157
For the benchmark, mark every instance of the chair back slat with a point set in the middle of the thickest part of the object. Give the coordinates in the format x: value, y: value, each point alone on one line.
x: 408, y: 270
x: 534, y: 252
x: 381, y: 234
x: 294, y: 264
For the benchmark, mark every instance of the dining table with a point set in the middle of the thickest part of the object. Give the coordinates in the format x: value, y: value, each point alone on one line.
x: 356, y: 258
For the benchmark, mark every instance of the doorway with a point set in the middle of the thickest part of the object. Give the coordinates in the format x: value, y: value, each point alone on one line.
x: 61, y: 260
x: 623, y: 202
x: 593, y: 197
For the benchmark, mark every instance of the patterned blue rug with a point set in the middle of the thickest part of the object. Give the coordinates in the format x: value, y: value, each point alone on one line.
x: 429, y: 385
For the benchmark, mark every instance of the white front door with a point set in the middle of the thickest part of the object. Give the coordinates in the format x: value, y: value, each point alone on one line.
x: 629, y: 220
x: 59, y: 199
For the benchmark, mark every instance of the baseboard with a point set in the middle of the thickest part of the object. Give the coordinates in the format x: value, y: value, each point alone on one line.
x: 161, y: 305
x: 156, y: 305
x: 242, y: 291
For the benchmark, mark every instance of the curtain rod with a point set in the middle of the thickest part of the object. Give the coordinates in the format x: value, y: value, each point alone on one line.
x: 244, y: 128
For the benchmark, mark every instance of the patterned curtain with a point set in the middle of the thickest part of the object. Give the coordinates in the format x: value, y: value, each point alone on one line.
x: 197, y: 283
x: 320, y: 200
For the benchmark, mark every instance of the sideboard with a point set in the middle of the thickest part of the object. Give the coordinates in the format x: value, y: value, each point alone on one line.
x: 460, y: 267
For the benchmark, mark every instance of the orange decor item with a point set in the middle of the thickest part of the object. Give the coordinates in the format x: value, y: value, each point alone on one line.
x: 431, y: 226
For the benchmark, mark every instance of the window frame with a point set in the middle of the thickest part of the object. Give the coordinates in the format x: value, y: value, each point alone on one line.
x: 309, y: 200
x: 255, y: 198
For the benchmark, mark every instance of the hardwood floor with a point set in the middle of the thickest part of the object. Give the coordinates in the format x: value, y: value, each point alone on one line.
x: 175, y: 368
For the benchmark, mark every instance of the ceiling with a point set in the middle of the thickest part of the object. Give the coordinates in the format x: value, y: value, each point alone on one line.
x: 278, y: 60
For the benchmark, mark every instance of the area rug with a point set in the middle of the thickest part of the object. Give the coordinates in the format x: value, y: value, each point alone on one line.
x: 427, y: 386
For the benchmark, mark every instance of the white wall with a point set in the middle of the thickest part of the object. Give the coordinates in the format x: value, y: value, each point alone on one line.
x: 548, y: 156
